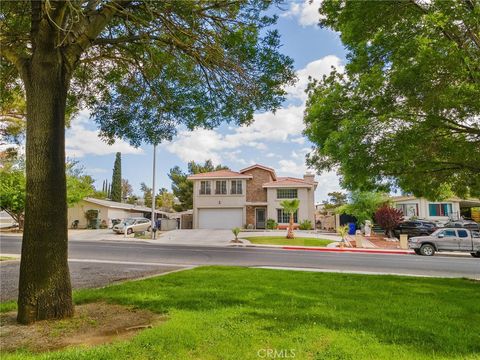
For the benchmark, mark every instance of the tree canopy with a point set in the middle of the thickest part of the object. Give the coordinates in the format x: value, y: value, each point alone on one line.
x: 405, y: 113
x: 335, y: 199
x: 13, y: 193
x: 363, y: 205
x: 145, y: 67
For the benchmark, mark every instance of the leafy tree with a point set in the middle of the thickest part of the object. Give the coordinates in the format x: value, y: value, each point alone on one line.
x: 102, y: 195
x: 142, y: 68
x: 79, y: 185
x: 363, y: 204
x: 147, y: 194
x: 405, y: 111
x: 164, y: 200
x: 116, y: 192
x: 133, y: 199
x: 127, y: 190
x: 335, y: 199
x: 290, y: 206
x: 388, y: 218
x: 12, y: 194
x: 182, y: 187
x: 13, y: 184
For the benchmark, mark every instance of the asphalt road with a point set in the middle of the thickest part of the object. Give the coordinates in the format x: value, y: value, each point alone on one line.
x: 139, y: 253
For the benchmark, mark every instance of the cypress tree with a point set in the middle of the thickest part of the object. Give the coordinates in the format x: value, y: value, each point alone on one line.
x: 116, y: 192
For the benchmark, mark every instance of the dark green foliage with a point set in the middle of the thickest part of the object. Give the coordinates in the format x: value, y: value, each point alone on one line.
x: 305, y: 225
x: 271, y: 224
x: 335, y: 199
x: 405, y: 113
x: 116, y: 190
x: 183, y: 188
x: 363, y: 205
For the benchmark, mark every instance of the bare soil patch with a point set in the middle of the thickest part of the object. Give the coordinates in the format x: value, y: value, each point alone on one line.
x: 93, y: 324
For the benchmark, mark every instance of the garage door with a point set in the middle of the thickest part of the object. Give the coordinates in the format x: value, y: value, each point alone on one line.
x: 220, y: 218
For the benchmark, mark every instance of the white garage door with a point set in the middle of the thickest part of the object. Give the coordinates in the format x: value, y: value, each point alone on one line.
x: 220, y: 218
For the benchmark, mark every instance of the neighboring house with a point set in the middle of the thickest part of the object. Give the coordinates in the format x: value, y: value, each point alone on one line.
x: 226, y: 199
x: 422, y: 208
x: 107, y: 211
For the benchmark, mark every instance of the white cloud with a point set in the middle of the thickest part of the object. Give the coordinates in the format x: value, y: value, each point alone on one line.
x: 315, y: 69
x: 291, y: 167
x: 81, y: 141
x: 327, y: 182
x: 306, y: 12
x: 300, y: 140
x: 285, y: 125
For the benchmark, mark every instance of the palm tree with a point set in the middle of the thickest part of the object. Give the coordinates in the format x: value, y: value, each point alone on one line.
x: 290, y: 206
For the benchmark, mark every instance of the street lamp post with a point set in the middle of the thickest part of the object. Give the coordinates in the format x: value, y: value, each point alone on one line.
x: 153, y: 191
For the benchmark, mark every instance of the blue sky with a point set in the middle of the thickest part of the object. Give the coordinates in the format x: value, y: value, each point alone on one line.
x: 274, y: 140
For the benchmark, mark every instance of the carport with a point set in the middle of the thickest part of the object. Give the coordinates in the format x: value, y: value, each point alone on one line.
x: 470, y: 209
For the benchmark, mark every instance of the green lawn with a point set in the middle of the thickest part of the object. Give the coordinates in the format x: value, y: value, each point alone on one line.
x: 238, y: 313
x: 5, y: 258
x: 281, y: 240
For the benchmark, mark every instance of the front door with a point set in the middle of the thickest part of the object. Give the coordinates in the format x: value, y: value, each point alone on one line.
x: 260, y: 218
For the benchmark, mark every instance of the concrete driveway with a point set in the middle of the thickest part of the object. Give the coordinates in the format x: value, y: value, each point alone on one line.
x: 196, y: 237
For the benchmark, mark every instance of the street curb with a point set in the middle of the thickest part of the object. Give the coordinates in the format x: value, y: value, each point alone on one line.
x: 350, y: 250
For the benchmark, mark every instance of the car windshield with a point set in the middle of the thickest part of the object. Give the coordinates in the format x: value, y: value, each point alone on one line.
x: 129, y: 221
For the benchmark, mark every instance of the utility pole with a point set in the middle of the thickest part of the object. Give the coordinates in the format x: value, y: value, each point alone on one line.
x: 153, y: 190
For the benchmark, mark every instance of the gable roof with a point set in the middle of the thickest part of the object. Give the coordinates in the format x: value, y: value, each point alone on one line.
x: 288, y: 182
x: 263, y: 167
x: 219, y: 174
x: 124, y: 206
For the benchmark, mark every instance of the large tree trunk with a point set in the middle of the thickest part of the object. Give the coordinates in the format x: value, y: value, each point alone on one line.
x: 45, y: 290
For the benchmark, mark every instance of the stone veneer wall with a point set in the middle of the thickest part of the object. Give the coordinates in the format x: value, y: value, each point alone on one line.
x: 255, y: 192
x: 250, y: 215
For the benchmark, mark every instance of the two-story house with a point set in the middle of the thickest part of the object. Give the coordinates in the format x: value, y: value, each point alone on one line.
x: 226, y: 199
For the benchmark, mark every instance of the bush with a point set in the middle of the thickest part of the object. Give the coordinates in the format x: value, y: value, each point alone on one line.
x: 388, y: 218
x: 271, y: 224
x: 305, y: 225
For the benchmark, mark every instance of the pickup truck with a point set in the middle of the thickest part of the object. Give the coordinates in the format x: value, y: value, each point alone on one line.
x: 447, y: 239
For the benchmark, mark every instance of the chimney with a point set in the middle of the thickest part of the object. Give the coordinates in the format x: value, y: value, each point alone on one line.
x: 309, y: 177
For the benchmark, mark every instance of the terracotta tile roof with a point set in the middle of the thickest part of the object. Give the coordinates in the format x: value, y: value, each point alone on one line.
x: 219, y: 174
x: 288, y: 181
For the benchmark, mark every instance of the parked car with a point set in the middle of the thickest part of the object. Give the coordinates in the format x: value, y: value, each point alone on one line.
x: 466, y: 224
x: 447, y: 239
x: 415, y: 228
x: 131, y: 225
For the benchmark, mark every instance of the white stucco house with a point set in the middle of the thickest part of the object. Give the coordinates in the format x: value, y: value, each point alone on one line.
x: 226, y: 199
x: 422, y: 208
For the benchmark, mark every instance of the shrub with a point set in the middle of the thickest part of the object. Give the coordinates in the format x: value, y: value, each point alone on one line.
x: 305, y: 225
x: 388, y: 218
x: 235, y: 232
x: 271, y: 224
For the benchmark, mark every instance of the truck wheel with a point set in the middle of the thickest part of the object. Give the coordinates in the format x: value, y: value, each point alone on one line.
x: 129, y: 231
x: 427, y: 250
x: 476, y: 255
x: 417, y: 251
